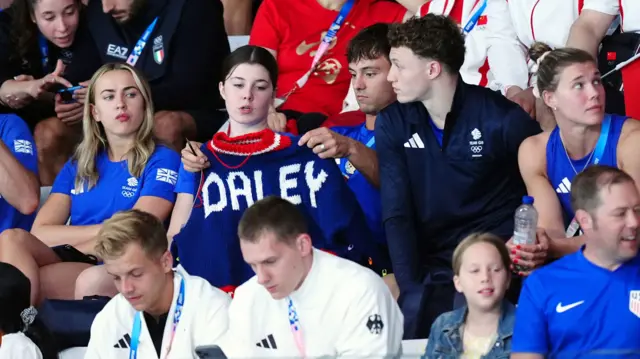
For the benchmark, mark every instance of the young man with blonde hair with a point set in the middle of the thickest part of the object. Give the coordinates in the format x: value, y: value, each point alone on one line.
x: 160, y: 312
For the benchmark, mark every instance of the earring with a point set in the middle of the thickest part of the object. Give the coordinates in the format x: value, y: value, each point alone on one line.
x: 555, y: 108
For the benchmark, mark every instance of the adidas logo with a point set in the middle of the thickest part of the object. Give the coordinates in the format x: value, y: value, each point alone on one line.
x: 124, y: 343
x: 414, y: 142
x: 564, y: 186
x: 269, y: 343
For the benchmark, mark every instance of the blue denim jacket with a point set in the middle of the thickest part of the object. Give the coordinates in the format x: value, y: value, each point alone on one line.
x: 445, y: 341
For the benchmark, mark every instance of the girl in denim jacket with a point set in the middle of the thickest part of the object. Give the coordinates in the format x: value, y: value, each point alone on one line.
x: 484, y: 327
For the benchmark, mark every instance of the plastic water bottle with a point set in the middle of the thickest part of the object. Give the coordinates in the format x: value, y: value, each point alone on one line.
x: 526, y: 223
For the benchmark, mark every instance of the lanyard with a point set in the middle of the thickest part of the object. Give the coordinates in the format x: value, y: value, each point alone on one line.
x: 44, y: 51
x: 294, y: 322
x: 140, y: 45
x: 346, y: 167
x: 137, y: 324
x: 473, y: 21
x: 474, y: 18
x: 602, y: 140
x: 597, y: 156
x: 322, y: 49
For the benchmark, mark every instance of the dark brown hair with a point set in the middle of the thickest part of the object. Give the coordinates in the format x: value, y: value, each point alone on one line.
x: 432, y: 36
x: 554, y: 62
x: 272, y: 215
x: 25, y: 32
x: 587, y: 185
x: 251, y: 55
x: 370, y: 43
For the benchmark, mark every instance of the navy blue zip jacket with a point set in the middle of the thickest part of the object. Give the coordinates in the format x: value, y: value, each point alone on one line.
x: 433, y: 195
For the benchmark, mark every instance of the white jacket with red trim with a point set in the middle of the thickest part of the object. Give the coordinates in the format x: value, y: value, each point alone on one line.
x: 531, y: 19
x: 494, y: 58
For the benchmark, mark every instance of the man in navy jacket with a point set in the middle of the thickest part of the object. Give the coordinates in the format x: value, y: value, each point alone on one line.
x: 448, y: 164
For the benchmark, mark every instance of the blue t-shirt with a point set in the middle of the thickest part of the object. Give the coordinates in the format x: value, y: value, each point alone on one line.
x: 187, y: 181
x: 368, y: 196
x: 572, y: 308
x: 15, y: 134
x: 561, y: 170
x: 437, y: 132
x: 116, y: 189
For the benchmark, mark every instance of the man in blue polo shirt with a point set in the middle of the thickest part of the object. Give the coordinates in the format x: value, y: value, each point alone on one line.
x: 19, y: 186
x: 353, y: 147
x: 587, y: 304
x: 448, y: 164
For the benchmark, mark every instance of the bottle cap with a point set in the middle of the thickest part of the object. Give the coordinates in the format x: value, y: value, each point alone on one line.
x: 527, y: 200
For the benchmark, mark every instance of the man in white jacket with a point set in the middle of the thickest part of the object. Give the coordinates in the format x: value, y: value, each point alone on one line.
x: 303, y: 302
x: 160, y: 312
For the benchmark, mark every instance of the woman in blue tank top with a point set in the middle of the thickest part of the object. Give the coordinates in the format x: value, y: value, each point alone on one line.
x: 117, y: 166
x: 569, y: 83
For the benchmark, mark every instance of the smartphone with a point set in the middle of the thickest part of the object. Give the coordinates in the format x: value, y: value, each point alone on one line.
x: 210, y: 352
x: 67, y: 93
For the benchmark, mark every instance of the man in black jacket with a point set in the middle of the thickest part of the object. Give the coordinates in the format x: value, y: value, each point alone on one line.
x: 179, y: 45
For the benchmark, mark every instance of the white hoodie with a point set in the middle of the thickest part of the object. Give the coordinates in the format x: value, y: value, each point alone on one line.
x: 203, y: 320
x: 532, y: 19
